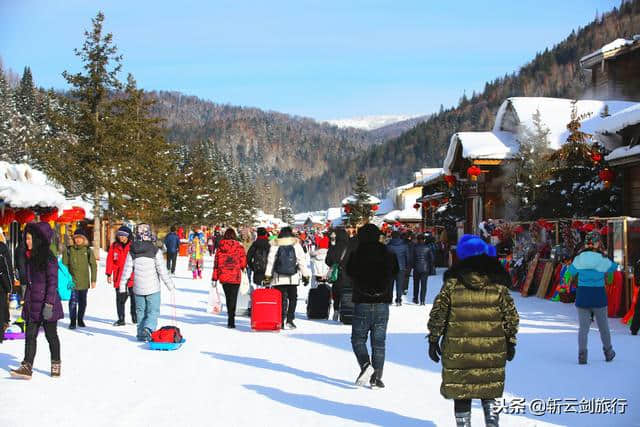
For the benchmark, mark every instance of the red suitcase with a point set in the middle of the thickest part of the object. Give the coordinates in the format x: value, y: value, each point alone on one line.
x: 266, y: 309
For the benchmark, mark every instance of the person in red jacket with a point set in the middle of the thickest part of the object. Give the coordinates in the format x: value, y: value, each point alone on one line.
x: 115, y: 266
x: 229, y: 262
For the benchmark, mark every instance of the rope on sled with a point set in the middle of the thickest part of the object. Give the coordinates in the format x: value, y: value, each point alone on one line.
x: 175, y: 313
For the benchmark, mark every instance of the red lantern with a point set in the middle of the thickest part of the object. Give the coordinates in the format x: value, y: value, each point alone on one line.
x: 78, y: 213
x: 607, y: 176
x: 434, y: 203
x: 66, y: 217
x: 416, y: 206
x: 450, y: 180
x: 588, y: 228
x: 577, y: 224
x: 374, y: 208
x: 24, y: 216
x: 49, y: 216
x: 519, y: 229
x: 604, y: 230
x: 445, y: 200
x: 474, y: 172
x: 347, y: 209
x: 596, y: 157
x: 8, y: 217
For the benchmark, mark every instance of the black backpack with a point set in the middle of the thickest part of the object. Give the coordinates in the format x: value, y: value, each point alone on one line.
x: 259, y: 260
x: 286, y: 262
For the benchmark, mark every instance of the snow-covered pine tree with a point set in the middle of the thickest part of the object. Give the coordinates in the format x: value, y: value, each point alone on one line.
x: 360, y: 211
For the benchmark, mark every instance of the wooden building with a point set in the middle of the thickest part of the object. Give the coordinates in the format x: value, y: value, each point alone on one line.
x: 613, y: 70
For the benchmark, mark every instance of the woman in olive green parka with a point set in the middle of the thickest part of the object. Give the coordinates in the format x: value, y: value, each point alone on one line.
x: 82, y: 265
x: 476, y: 318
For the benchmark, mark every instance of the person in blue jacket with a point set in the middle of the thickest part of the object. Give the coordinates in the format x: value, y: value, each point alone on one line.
x: 172, y: 243
x: 592, y: 268
x: 401, y: 250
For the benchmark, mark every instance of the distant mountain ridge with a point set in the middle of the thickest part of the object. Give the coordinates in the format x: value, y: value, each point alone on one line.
x: 373, y: 122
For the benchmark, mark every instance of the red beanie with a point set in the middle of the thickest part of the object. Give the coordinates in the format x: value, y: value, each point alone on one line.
x: 322, y: 242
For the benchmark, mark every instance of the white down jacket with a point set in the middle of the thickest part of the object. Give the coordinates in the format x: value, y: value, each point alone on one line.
x: 145, y: 259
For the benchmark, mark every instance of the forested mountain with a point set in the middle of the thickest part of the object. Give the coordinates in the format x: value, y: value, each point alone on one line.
x: 554, y: 72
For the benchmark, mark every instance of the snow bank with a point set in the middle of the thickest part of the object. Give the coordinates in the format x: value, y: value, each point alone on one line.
x: 24, y: 187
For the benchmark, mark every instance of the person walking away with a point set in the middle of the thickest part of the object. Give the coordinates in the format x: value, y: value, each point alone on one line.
x: 286, y: 268
x: 172, y: 243
x: 258, y: 255
x: 423, y: 260
x: 401, y: 250
x: 82, y: 265
x: 211, y: 244
x: 338, y: 255
x: 592, y: 268
x: 196, y: 256
x: 372, y: 268
x: 229, y: 261
x: 146, y: 259
x: 408, y: 239
x: 116, y: 258
x: 6, y: 284
x: 319, y: 268
x: 473, y: 325
x: 42, y: 306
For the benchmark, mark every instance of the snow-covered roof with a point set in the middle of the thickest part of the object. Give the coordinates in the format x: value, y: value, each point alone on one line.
x: 403, y: 215
x: 628, y: 117
x: 352, y: 199
x: 386, y: 206
x: 622, y: 153
x: 609, y: 47
x: 262, y: 219
x: 436, y: 174
x: 481, y: 145
x: 423, y: 173
x: 334, y: 213
x: 24, y: 187
x: 555, y: 114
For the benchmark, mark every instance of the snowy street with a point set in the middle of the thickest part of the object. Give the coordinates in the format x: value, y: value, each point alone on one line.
x: 302, y: 377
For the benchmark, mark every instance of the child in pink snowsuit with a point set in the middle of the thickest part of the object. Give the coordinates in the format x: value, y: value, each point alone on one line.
x: 196, y: 257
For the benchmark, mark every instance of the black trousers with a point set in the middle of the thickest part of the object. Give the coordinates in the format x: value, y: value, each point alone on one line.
x: 31, y: 340
x: 405, y: 283
x: 289, y: 302
x: 78, y: 304
x: 231, y: 295
x: 171, y: 261
x: 464, y: 405
x: 121, y: 299
x: 336, y: 294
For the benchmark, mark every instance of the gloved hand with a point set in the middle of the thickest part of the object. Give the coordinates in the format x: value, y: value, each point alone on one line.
x: 434, y: 351
x: 214, y: 283
x: 267, y: 280
x: 511, y: 351
x: 47, y: 312
x: 305, y: 281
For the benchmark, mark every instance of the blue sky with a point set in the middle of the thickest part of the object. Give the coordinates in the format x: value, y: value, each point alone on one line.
x: 323, y: 59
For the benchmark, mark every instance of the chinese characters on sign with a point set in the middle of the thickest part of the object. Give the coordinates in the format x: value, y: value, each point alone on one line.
x: 567, y: 405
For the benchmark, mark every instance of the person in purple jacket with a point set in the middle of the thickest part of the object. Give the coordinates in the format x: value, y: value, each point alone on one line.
x: 42, y: 306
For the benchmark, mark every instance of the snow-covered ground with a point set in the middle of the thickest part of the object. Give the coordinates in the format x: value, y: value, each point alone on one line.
x: 223, y: 377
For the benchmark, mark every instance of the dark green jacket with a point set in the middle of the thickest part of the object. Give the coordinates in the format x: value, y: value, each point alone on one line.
x: 475, y: 315
x: 82, y: 265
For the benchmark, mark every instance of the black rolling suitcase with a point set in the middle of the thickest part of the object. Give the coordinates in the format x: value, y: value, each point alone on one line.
x: 346, y: 306
x: 319, y: 302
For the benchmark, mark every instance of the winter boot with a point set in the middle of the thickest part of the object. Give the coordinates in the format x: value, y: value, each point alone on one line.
x: 375, y: 382
x: 609, y: 354
x: 291, y: 325
x: 81, y: 322
x: 72, y: 325
x: 582, y: 357
x: 134, y: 318
x: 463, y: 419
x: 119, y: 322
x: 24, y: 371
x: 336, y: 316
x: 634, y: 332
x: 195, y: 274
x: 490, y: 413
x: 55, y: 368
x: 366, y: 372
x: 199, y: 274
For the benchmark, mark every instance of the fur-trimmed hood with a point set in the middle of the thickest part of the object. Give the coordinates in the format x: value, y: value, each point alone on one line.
x: 474, y: 272
x: 286, y: 241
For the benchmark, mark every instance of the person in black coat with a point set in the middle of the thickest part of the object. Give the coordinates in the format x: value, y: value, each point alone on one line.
x: 423, y: 260
x: 372, y: 268
x: 340, y: 248
x: 257, y: 256
x: 6, y: 285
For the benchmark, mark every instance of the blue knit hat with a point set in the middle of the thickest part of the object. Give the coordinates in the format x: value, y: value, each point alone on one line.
x: 470, y: 245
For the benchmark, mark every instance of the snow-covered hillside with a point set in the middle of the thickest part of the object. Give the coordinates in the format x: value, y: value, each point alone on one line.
x: 370, y: 122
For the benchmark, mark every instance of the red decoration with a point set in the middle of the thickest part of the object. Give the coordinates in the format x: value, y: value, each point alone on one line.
x: 607, y: 176
x: 347, y: 209
x: 445, y: 200
x: 49, y: 216
x: 374, y: 208
x: 79, y: 213
x: 577, y: 224
x: 24, y: 216
x: 474, y: 172
x: 587, y: 228
x: 604, y: 230
x: 8, y: 217
x: 450, y: 180
x: 434, y: 203
x: 519, y: 229
x: 416, y: 206
x: 596, y: 157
